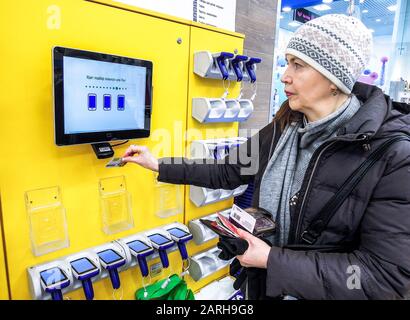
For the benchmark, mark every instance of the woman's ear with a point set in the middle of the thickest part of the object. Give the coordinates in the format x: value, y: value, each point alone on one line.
x: 333, y: 87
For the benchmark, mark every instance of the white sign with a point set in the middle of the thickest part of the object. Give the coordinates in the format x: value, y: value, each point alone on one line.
x: 217, y: 13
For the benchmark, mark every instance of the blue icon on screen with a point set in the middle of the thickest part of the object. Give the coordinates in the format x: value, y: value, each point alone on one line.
x: 120, y: 102
x: 92, y: 102
x: 107, y: 102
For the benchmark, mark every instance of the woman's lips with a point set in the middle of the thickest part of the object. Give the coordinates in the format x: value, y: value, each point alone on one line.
x: 288, y: 94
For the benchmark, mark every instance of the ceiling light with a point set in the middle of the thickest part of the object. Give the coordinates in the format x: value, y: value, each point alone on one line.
x: 371, y: 30
x: 327, y: 1
x: 378, y: 20
x: 392, y: 8
x: 281, y: 17
x: 361, y: 1
x: 322, y: 7
x: 287, y: 9
x: 294, y: 24
x: 365, y: 11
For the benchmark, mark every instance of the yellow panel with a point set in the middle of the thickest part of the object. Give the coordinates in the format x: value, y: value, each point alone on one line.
x: 33, y: 161
x: 4, y: 290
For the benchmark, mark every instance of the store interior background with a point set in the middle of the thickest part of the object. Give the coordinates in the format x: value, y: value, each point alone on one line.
x: 389, y: 22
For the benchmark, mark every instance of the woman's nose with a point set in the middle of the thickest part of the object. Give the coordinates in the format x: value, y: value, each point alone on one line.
x: 285, y: 77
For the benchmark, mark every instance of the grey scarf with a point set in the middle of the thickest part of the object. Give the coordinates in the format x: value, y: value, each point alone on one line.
x: 285, y: 171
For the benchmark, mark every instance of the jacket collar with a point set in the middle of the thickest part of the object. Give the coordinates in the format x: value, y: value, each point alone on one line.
x: 371, y: 115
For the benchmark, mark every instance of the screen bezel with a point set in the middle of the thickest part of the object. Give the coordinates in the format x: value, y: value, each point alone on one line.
x: 63, y: 139
x: 186, y: 233
x: 55, y: 283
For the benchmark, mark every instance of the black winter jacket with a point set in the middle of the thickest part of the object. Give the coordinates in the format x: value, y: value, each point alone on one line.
x: 375, y: 217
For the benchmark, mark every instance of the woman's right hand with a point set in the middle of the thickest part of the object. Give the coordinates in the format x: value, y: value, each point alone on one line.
x: 141, y: 155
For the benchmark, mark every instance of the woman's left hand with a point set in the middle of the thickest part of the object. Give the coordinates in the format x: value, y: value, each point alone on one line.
x: 257, y: 254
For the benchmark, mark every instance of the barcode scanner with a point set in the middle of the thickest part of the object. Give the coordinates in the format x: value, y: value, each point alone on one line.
x: 53, y: 280
x: 84, y: 270
x: 141, y: 251
x: 161, y: 243
x: 221, y: 59
x: 111, y: 261
x: 181, y: 237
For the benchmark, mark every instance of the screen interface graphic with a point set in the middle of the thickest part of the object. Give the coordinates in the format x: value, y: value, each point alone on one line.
x: 102, y: 96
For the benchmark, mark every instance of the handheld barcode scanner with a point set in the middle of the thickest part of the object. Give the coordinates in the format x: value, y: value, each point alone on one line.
x: 53, y: 281
x: 84, y: 270
x: 141, y: 250
x: 111, y: 260
x: 251, y: 67
x: 222, y: 60
x: 181, y: 237
x: 237, y: 64
x: 161, y: 241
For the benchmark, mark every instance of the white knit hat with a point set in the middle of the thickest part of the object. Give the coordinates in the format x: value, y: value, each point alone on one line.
x: 336, y: 45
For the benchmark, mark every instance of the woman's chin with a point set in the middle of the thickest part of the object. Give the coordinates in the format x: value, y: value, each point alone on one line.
x: 294, y: 106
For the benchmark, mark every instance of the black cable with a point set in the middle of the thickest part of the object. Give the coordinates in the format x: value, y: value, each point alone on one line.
x: 118, y: 144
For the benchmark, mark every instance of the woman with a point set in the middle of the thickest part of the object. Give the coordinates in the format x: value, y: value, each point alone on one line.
x: 324, y: 131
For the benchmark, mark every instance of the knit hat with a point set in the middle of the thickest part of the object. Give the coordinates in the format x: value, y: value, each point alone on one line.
x: 336, y: 45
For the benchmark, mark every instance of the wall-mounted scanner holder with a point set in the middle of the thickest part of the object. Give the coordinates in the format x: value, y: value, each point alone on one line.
x: 113, y: 259
x: 161, y: 241
x: 139, y: 247
x: 201, y: 196
x: 181, y: 235
x: 210, y: 110
x: 53, y: 279
x: 225, y: 66
x: 213, y: 149
x: 201, y: 233
x: 50, y: 280
x: 47, y: 220
x: 85, y: 266
x: 206, y: 263
x: 221, y: 289
x: 80, y: 269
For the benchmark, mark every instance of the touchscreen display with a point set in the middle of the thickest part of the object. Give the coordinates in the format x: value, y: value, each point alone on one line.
x: 52, y: 276
x: 179, y: 233
x: 138, y: 246
x: 109, y: 256
x: 102, y: 96
x: 82, y: 265
x: 158, y: 239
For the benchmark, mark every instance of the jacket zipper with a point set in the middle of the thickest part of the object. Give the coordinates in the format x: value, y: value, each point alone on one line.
x: 307, y: 189
x: 324, y: 148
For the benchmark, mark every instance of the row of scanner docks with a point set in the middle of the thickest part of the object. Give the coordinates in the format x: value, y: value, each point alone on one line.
x: 214, y: 149
x: 225, y: 66
x: 53, y: 279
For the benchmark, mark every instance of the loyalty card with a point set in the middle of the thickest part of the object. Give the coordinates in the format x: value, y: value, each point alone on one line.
x: 115, y: 162
x: 242, y: 218
x: 213, y: 225
x: 227, y: 224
